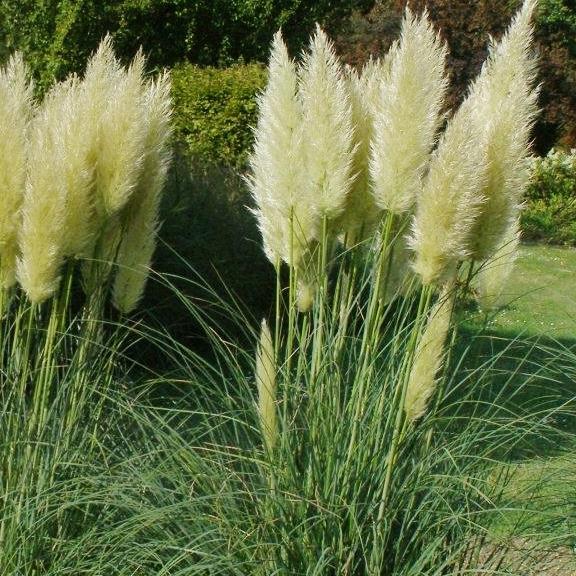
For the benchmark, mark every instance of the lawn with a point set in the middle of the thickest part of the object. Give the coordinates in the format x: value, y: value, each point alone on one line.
x: 538, y: 304
x: 540, y: 298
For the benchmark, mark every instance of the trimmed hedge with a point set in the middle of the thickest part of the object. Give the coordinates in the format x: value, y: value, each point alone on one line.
x: 215, y: 110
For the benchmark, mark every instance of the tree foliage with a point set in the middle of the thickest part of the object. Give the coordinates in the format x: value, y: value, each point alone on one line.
x: 466, y: 27
x: 57, y: 36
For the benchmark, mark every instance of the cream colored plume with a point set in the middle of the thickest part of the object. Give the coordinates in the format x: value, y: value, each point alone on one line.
x: 99, y: 86
x: 120, y: 143
x: 407, y: 114
x: 287, y: 219
x: 266, y: 382
x: 141, y: 217
x: 16, y: 109
x: 57, y: 218
x: 327, y: 131
x: 360, y: 215
x: 492, y: 276
x: 451, y: 197
x: 429, y: 356
x: 508, y: 106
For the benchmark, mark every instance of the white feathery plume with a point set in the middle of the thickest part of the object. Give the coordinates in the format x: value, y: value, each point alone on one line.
x: 16, y: 107
x: 360, y: 215
x: 57, y: 218
x: 451, y: 197
x: 508, y: 110
x: 471, y: 185
x: 327, y: 130
x: 430, y: 354
x: 407, y: 114
x: 287, y: 219
x: 99, y: 85
x: 397, y: 274
x: 266, y: 382
x: 120, y: 144
x: 141, y: 217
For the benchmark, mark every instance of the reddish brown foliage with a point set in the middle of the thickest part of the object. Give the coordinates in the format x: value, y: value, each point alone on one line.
x: 466, y: 27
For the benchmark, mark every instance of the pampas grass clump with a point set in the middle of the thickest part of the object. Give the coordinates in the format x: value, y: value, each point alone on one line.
x: 377, y: 212
x: 97, y: 164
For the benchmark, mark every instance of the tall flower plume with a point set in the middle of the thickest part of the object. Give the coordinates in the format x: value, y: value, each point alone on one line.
x: 451, y: 197
x: 120, y: 134
x: 429, y: 356
x: 141, y: 218
x: 360, y: 215
x: 508, y: 109
x: 407, y: 114
x: 15, y: 112
x: 286, y: 218
x: 491, y: 278
x: 266, y: 382
x: 327, y: 131
x: 57, y: 207
x: 473, y: 189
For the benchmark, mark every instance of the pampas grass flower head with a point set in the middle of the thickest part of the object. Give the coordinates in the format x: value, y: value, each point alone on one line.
x: 286, y: 218
x: 429, y: 355
x: 407, y: 114
x: 451, y: 197
x: 16, y: 107
x: 120, y: 132
x: 328, y: 137
x: 360, y: 214
x: 491, y: 278
x: 266, y: 382
x: 56, y: 210
x: 508, y: 106
x: 141, y: 220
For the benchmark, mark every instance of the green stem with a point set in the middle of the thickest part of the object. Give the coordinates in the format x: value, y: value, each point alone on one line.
x: 400, y: 421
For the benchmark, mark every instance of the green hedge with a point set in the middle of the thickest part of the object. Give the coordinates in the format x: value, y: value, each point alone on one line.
x: 550, y: 214
x: 215, y: 110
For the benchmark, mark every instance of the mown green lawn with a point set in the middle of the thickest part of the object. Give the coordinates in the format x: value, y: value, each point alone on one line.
x: 538, y: 303
x: 540, y: 296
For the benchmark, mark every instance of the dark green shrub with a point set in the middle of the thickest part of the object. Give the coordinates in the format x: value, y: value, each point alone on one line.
x: 550, y: 213
x: 557, y: 19
x: 215, y: 110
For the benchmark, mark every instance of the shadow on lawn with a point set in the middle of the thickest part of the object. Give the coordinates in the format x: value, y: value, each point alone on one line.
x: 210, y: 251
x: 526, y: 381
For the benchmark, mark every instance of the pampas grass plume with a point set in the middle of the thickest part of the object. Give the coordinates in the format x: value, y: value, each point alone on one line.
x: 120, y: 145
x: 57, y: 208
x: 286, y: 218
x: 429, y: 355
x: 327, y: 132
x: 141, y: 223
x: 407, y: 114
x: 509, y: 107
x: 451, y: 198
x: 492, y: 276
x: 478, y: 172
x: 266, y: 382
x: 361, y: 215
x: 16, y: 107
